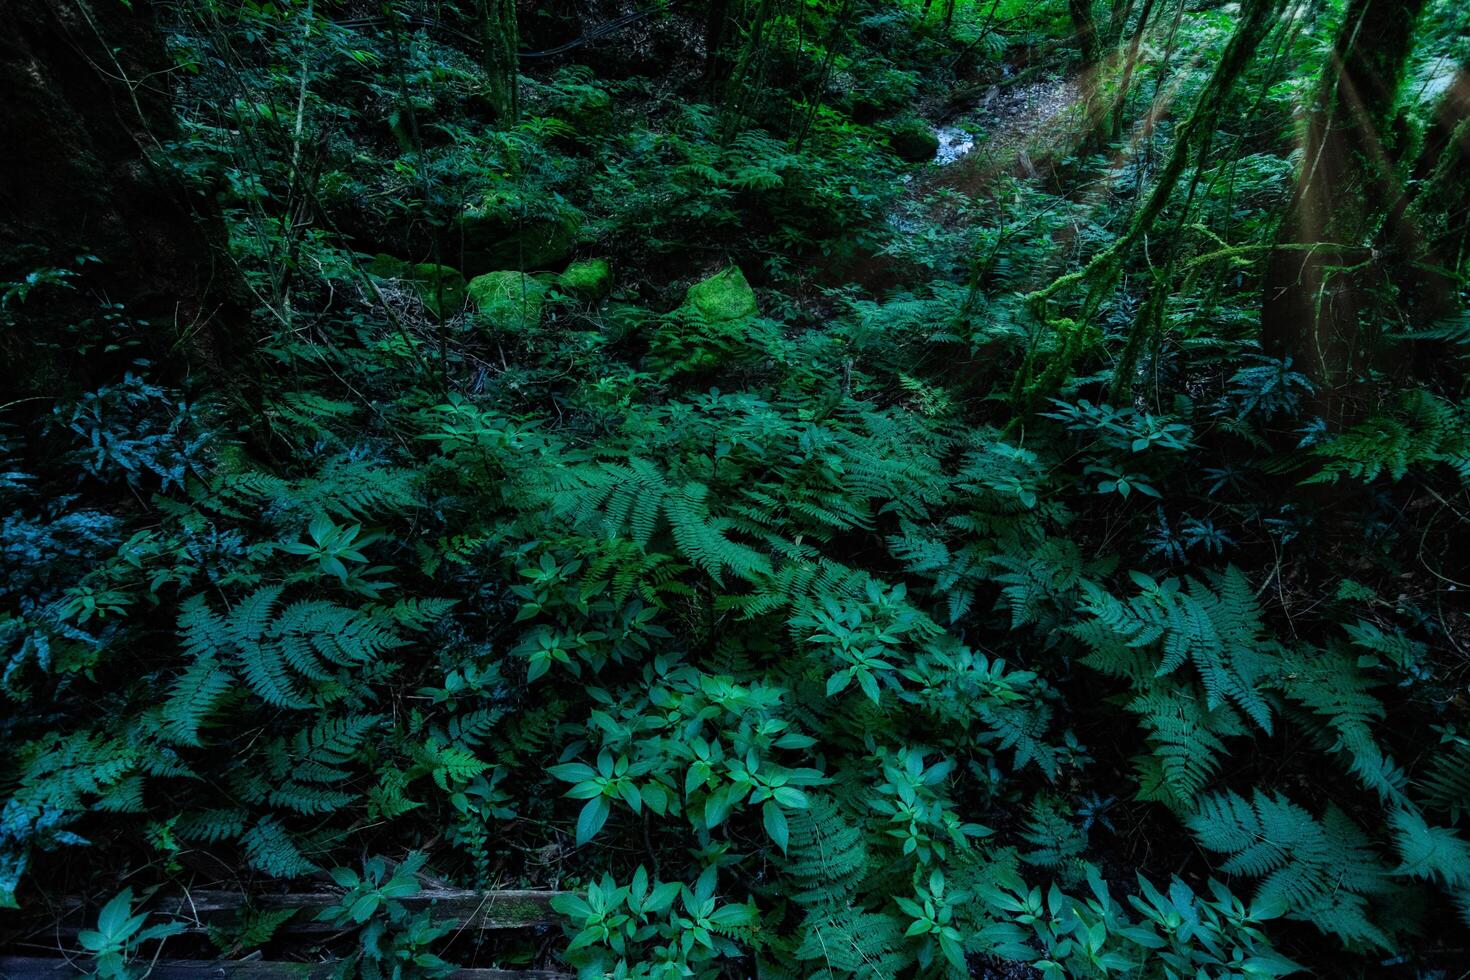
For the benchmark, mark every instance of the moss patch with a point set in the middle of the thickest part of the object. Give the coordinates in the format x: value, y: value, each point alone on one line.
x: 441, y: 288
x: 913, y: 140
x: 588, y: 280
x: 496, y: 235
x: 508, y: 300
x: 722, y: 297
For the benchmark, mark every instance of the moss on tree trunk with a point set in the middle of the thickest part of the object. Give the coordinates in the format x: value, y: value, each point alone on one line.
x: 1316, y: 277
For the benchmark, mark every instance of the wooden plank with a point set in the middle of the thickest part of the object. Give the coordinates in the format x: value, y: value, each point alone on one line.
x: 47, y: 968
x: 476, y: 910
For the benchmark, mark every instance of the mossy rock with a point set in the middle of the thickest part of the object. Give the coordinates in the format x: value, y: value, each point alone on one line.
x: 508, y: 300
x: 385, y: 266
x: 440, y: 288
x: 494, y: 239
x: 722, y: 297
x: 913, y: 140
x: 587, y: 279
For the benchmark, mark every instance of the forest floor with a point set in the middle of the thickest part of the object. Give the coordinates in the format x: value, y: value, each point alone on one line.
x: 1013, y: 128
x: 1016, y: 129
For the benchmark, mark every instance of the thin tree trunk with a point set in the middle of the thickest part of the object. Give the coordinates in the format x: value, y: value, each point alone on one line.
x: 1101, y: 273
x: 1118, y: 20
x: 1151, y: 118
x: 1429, y: 223
x: 1089, y: 72
x: 716, y: 57
x: 839, y: 24
x: 743, y: 86
x: 1130, y: 61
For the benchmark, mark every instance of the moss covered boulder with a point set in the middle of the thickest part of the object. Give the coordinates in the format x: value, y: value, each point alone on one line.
x: 913, y: 140
x: 498, y: 235
x: 385, y: 266
x: 508, y: 300
x: 717, y: 322
x: 722, y: 297
x: 440, y: 288
x: 588, y: 280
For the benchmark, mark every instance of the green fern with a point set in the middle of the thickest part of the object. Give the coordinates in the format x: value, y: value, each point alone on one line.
x: 1319, y: 871
x: 1218, y: 631
x: 1444, y: 784
x: 826, y: 857
x: 1421, y: 429
x: 1186, y: 739
x: 193, y: 696
x: 1331, y: 684
x: 848, y: 943
x: 629, y: 499
x: 269, y: 848
x: 276, y: 651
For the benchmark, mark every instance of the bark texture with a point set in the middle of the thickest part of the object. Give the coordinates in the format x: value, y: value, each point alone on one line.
x: 1315, y: 281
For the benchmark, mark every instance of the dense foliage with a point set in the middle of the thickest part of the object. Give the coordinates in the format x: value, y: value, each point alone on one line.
x: 644, y: 479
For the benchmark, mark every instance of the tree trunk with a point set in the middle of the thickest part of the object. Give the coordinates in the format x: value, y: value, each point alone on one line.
x: 742, y: 90
x: 500, y: 44
x: 1089, y: 72
x: 716, y: 54
x: 1130, y: 61
x: 1315, y: 279
x: 1101, y: 273
x: 1118, y: 16
x: 86, y: 112
x: 1430, y: 221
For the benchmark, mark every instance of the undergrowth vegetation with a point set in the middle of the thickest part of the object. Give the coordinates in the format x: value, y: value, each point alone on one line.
x: 660, y: 488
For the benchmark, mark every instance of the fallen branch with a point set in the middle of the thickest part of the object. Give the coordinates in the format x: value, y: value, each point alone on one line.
x: 482, y: 910
x: 44, y: 968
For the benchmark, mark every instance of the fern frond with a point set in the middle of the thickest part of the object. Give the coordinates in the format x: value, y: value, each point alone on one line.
x: 191, y: 698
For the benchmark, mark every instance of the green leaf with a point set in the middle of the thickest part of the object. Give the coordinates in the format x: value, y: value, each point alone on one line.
x: 572, y: 772
x: 775, y: 822
x: 593, y: 816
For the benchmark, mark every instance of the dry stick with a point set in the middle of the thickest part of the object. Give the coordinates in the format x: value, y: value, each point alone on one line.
x: 1101, y: 274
